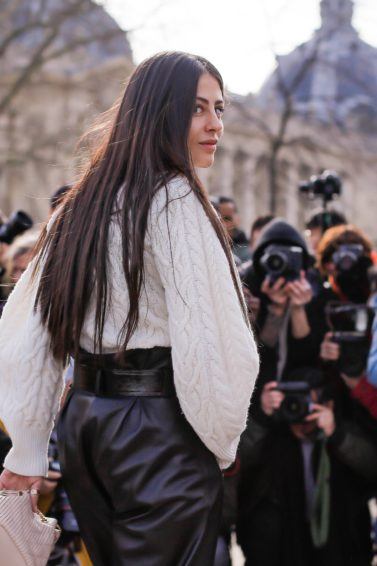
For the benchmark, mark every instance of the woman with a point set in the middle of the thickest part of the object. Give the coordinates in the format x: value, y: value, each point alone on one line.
x: 135, y: 279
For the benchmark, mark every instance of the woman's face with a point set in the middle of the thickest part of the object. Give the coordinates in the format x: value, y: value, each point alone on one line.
x: 20, y: 264
x: 206, y: 125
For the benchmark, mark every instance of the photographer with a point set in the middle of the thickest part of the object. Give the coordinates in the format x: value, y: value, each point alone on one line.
x: 306, y: 472
x: 10, y: 228
x: 256, y: 228
x: 19, y: 254
x: 319, y: 223
x: 345, y: 257
x: 229, y: 216
x: 288, y: 328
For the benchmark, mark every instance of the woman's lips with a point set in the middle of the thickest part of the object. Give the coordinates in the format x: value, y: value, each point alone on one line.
x: 209, y: 146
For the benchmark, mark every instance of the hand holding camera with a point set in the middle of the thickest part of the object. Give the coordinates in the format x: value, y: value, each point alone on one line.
x: 330, y: 351
x: 323, y: 417
x: 299, y: 291
x: 271, y: 399
x: 276, y: 292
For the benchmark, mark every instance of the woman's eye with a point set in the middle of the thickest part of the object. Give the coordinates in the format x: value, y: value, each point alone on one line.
x: 220, y: 111
x: 198, y: 109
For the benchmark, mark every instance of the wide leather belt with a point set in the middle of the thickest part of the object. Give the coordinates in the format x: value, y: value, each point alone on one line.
x: 106, y: 382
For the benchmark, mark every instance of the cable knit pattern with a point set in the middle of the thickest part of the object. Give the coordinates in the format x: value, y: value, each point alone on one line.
x: 214, y: 354
x: 188, y: 302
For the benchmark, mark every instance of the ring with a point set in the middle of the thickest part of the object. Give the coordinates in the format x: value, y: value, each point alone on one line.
x: 35, y: 492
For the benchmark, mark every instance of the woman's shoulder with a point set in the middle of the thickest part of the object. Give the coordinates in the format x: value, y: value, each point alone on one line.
x: 168, y: 194
x: 177, y: 187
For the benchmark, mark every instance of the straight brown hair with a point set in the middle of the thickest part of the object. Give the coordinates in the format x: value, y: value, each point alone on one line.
x: 146, y: 147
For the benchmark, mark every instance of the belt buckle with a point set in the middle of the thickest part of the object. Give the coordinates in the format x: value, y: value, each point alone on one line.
x: 98, y: 382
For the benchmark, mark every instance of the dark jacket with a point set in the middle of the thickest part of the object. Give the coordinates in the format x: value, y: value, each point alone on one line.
x: 240, y: 245
x: 272, y: 527
x: 300, y: 352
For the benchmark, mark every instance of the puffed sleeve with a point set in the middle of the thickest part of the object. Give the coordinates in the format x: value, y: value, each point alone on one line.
x: 215, y: 358
x: 31, y: 380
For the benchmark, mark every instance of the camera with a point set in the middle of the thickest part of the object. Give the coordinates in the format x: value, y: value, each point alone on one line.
x: 326, y: 186
x: 349, y: 322
x: 297, y: 401
x: 18, y: 223
x: 347, y: 256
x: 282, y: 261
x: 351, y: 326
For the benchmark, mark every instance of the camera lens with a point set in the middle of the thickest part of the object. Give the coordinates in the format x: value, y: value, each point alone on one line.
x: 346, y: 262
x: 275, y: 262
x: 294, y: 408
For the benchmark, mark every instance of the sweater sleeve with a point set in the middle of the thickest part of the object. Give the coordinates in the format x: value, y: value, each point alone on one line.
x: 214, y: 355
x: 30, y: 380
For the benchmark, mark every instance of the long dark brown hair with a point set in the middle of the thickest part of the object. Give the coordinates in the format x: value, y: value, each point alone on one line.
x: 147, y: 146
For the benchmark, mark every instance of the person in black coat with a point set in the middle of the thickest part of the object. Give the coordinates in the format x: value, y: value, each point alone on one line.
x: 288, y: 328
x: 304, y: 487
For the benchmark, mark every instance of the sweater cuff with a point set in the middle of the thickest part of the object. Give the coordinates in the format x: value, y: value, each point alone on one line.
x: 28, y: 455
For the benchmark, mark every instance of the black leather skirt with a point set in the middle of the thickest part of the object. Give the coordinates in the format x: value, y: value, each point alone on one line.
x: 144, y: 488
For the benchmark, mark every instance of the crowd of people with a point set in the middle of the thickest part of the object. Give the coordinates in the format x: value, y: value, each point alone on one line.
x: 300, y: 489
x: 15, y: 255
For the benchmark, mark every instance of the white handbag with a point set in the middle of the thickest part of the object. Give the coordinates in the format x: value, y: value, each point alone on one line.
x: 26, y: 538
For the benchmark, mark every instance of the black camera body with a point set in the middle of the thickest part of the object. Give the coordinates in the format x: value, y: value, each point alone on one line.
x: 18, y: 223
x: 351, y: 327
x: 349, y: 322
x: 347, y: 256
x: 297, y: 402
x: 279, y: 260
x: 326, y: 186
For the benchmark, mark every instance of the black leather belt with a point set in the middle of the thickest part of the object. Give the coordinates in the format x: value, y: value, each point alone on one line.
x: 106, y: 382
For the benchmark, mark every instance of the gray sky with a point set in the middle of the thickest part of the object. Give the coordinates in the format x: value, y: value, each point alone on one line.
x: 238, y: 36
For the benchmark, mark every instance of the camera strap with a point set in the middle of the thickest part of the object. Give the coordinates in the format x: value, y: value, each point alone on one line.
x: 320, y: 518
x: 283, y: 344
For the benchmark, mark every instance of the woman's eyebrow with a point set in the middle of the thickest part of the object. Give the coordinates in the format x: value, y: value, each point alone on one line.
x: 220, y: 101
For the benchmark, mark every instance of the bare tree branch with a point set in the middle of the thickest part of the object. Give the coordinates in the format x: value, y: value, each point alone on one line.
x: 43, y: 53
x: 34, y: 63
x: 81, y: 43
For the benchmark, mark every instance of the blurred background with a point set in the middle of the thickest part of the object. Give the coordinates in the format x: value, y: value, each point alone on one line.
x: 302, y: 87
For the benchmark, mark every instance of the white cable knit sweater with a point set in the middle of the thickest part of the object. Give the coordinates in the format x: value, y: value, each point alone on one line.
x: 188, y: 302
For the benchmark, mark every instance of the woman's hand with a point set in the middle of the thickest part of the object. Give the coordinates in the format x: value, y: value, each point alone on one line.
x: 299, y: 291
x: 324, y: 418
x: 330, y: 351
x: 276, y: 293
x: 270, y: 398
x: 10, y: 480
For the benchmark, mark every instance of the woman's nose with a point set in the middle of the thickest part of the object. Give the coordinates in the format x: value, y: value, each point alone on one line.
x: 214, y: 123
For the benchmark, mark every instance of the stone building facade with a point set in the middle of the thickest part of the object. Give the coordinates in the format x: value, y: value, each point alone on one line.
x: 328, y: 86
x: 40, y: 130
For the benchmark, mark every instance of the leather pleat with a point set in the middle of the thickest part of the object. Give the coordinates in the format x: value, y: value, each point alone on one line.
x: 144, y: 488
